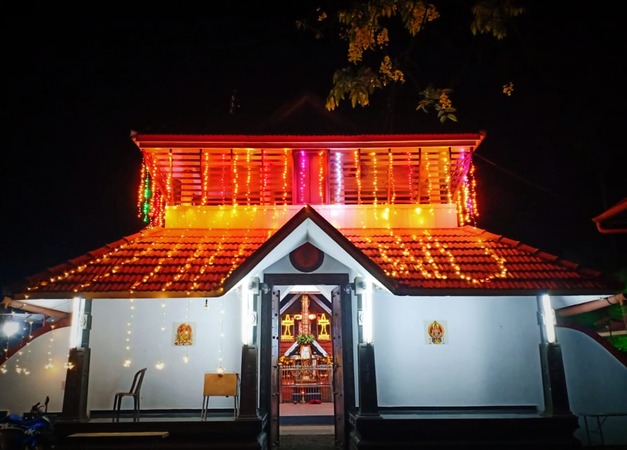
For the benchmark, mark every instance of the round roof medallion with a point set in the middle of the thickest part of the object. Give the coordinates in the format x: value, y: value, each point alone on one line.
x: 307, y: 258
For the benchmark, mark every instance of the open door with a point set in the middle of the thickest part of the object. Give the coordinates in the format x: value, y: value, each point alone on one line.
x: 302, y: 375
x: 338, y: 368
x: 275, y: 381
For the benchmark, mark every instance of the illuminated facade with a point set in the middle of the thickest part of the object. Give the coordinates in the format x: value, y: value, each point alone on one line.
x: 289, y: 259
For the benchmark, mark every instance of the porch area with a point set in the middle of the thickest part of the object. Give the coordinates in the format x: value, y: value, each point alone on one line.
x: 310, y: 426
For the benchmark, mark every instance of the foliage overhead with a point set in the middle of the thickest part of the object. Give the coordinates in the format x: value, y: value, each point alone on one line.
x: 383, y: 47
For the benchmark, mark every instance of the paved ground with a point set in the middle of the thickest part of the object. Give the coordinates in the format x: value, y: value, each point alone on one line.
x: 307, y: 442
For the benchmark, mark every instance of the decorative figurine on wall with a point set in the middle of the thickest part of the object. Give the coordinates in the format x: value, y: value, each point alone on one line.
x: 436, y: 332
x: 184, y: 334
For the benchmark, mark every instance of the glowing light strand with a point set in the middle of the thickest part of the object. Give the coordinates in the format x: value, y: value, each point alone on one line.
x: 248, y: 175
x: 321, y: 172
x: 235, y: 178
x: 205, y: 161
x: 220, y: 354
x: 160, y: 364
x: 398, y: 259
x: 129, y: 333
x: 223, y: 179
x: 170, y: 180
x: 410, y: 174
x: 302, y: 178
x: 157, y: 200
x: 375, y: 181
x: 264, y: 179
x: 357, y: 162
x: 339, y: 179
x: 446, y: 164
x: 285, y: 174
x: 391, y: 181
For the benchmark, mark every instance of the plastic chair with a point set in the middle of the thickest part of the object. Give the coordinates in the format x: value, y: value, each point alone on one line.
x: 133, y: 392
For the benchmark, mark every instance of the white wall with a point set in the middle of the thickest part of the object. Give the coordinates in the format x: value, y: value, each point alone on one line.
x: 20, y: 391
x: 491, y: 358
x: 178, y: 385
x: 597, y: 383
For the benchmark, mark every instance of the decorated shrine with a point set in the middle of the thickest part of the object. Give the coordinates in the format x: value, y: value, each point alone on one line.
x: 306, y: 350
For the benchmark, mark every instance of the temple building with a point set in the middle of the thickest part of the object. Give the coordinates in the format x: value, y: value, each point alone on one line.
x: 344, y: 271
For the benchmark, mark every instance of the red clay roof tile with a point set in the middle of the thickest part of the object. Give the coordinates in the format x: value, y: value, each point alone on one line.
x: 198, y: 262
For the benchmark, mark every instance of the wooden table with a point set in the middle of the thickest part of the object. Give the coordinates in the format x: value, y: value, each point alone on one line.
x: 220, y: 385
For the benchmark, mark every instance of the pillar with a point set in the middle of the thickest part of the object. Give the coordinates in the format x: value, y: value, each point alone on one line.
x: 248, y: 387
x: 368, y: 405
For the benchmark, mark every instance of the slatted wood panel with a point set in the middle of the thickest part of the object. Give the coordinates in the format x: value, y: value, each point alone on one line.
x: 389, y: 176
x: 460, y: 164
x: 434, y: 184
x: 219, y: 176
x: 222, y: 176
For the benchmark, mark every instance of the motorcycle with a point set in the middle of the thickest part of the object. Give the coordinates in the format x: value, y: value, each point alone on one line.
x: 32, y: 431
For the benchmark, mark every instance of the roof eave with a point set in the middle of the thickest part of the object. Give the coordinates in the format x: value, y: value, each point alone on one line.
x: 304, y: 141
x: 116, y: 294
x: 485, y: 292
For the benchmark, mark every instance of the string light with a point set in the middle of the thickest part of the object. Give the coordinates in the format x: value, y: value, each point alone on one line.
x: 446, y: 163
x: 428, y: 174
x: 302, y: 176
x: 160, y: 365
x: 234, y: 162
x: 169, y: 188
x: 285, y: 173
x: 321, y: 172
x: 235, y: 179
x: 220, y: 368
x: 410, y: 174
x: 142, y: 205
x: 122, y: 258
x: 223, y: 177
x: 339, y: 178
x: 426, y: 263
x: 50, y: 363
x: 205, y: 177
x: 129, y: 333
x: 248, y: 175
x: 264, y: 178
x: 357, y: 174
x: 150, y: 207
x: 392, y: 198
x: 375, y: 181
x: 467, y: 197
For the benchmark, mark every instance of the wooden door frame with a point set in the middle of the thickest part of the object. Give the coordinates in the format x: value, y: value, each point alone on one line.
x: 344, y: 395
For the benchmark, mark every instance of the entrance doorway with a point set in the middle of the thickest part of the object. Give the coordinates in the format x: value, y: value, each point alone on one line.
x: 305, y: 360
x: 307, y: 367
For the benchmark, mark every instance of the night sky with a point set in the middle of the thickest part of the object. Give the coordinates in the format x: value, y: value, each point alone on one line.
x: 78, y: 82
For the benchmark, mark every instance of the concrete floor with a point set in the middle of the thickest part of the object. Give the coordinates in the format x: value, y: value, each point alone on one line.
x: 304, y: 411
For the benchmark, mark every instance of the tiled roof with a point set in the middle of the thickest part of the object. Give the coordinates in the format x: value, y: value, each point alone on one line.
x: 155, y: 262
x: 164, y: 262
x: 470, y: 259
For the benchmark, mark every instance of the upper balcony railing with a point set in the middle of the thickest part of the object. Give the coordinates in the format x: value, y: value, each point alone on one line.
x: 293, y: 170
x: 287, y: 177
